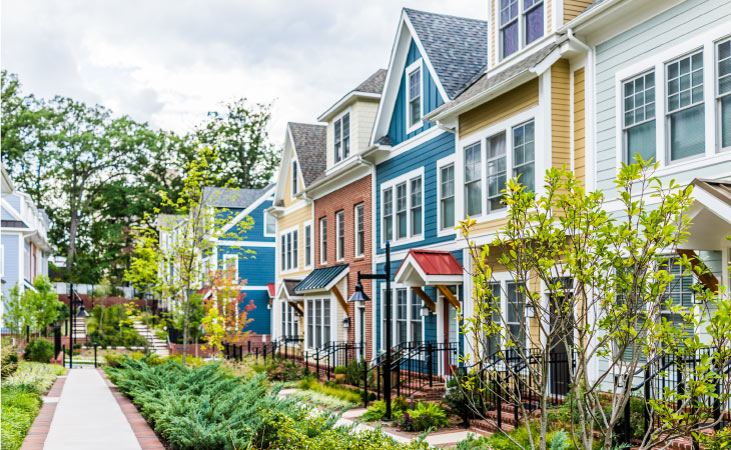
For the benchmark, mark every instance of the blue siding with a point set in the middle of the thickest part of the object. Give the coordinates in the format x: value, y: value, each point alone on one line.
x: 256, y: 268
x: 260, y: 315
x: 431, y: 100
x: 256, y: 232
x: 11, y: 268
x: 424, y: 155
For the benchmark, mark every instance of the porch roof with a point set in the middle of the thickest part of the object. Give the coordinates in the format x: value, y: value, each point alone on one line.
x: 322, y: 279
x: 272, y: 289
x: 710, y: 214
x: 429, y: 268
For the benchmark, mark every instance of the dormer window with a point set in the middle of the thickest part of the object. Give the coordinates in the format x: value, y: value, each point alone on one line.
x: 342, y: 137
x: 521, y: 22
x: 413, y: 96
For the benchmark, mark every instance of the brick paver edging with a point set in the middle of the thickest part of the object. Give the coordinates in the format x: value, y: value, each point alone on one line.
x: 145, y: 436
x: 38, y: 431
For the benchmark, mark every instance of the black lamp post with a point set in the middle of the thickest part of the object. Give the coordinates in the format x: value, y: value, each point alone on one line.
x: 74, y: 300
x: 360, y: 296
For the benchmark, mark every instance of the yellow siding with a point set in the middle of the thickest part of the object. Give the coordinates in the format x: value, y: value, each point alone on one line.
x: 579, y: 126
x: 488, y: 227
x: 549, y: 15
x: 287, y: 198
x: 572, y: 8
x: 560, y: 114
x: 296, y: 218
x: 500, y: 108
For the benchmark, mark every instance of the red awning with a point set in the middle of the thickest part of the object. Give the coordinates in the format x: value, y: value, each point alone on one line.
x: 429, y: 267
x: 271, y: 287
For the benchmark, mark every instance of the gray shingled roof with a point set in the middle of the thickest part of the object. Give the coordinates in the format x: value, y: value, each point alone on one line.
x: 289, y: 285
x: 230, y: 198
x: 485, y: 82
x: 456, y: 46
x: 373, y: 84
x: 310, y: 146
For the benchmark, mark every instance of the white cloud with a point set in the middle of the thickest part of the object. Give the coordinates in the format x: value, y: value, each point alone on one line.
x: 169, y: 62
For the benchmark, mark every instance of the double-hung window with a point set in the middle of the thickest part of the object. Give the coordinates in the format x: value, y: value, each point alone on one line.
x: 413, y: 112
x: 290, y: 324
x: 402, y: 319
x: 295, y: 174
x: 270, y: 225
x: 323, y: 240
x: 231, y: 266
x: 289, y: 253
x: 308, y: 245
x: 524, y: 154
x: 340, y: 230
x: 318, y: 322
x: 496, y: 172
x: 517, y: 15
x: 415, y: 206
x: 407, y: 316
x: 685, y: 107
x: 401, y: 225
x: 473, y: 180
x: 639, y: 117
x: 388, y: 214
x: 516, y: 315
x: 359, y: 212
x: 723, y: 89
x: 446, y: 197
x: 342, y: 137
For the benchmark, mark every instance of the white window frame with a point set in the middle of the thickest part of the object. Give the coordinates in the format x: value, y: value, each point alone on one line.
x: 625, y: 128
x: 308, y: 252
x: 339, y: 155
x: 411, y: 298
x: 506, y: 126
x: 272, y: 218
x: 416, y: 65
x: 480, y: 179
x: 322, y: 236
x: 235, y: 258
x: 656, y: 62
x: 290, y: 321
x: 359, y: 228
x: 325, y: 321
x: 521, y: 19
x: 340, y: 235
x: 504, y: 278
x: 441, y: 164
x: 286, y: 238
x: 391, y: 184
x: 668, y: 113
x: 295, y: 178
x: 719, y: 97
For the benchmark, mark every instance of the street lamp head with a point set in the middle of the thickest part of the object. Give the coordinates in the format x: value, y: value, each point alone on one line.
x: 82, y: 311
x: 359, y: 295
x: 346, y: 323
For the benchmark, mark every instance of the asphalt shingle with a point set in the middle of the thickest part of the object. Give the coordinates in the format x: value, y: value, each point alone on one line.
x: 310, y: 147
x: 456, y: 46
x: 373, y: 84
x: 230, y: 198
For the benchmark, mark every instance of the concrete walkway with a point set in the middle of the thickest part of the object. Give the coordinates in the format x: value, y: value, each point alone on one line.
x: 88, y: 417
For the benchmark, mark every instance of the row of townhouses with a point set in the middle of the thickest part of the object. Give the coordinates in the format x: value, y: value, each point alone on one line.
x: 464, y: 105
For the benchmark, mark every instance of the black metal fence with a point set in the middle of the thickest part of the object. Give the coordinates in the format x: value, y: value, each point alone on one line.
x: 333, y: 354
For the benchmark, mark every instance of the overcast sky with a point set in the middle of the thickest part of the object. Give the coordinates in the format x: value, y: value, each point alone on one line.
x: 170, y: 62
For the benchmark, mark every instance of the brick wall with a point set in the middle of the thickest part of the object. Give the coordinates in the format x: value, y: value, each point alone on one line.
x: 345, y: 199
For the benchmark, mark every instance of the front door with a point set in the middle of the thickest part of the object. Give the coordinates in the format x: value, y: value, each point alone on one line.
x: 559, y: 379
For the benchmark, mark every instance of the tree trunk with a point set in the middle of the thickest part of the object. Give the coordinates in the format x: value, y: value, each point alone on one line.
x: 186, y: 319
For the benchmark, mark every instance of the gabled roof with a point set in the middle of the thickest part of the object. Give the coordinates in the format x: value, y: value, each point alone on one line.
x: 428, y: 267
x: 309, y: 143
x: 456, y: 46
x: 370, y: 88
x: 373, y: 84
x: 720, y: 189
x: 230, y: 198
x: 322, y: 278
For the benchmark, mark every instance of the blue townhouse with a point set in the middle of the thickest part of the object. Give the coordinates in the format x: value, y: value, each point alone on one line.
x: 434, y: 57
x: 248, y: 245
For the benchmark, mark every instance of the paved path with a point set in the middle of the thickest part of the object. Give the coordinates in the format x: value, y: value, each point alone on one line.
x: 88, y: 417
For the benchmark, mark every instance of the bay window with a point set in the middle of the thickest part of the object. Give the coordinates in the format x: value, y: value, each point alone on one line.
x: 685, y: 107
x: 524, y: 154
x: 473, y: 180
x: 446, y: 197
x: 639, y: 117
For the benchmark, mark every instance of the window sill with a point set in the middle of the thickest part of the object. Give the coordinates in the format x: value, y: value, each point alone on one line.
x: 415, y: 127
x: 688, y: 164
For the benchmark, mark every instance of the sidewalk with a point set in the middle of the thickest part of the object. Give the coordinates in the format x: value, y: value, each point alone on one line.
x: 88, y: 415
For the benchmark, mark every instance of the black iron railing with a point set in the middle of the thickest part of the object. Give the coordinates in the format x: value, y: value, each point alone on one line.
x: 333, y: 354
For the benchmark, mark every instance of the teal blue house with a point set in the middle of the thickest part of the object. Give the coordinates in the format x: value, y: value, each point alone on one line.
x: 248, y: 249
x: 434, y: 58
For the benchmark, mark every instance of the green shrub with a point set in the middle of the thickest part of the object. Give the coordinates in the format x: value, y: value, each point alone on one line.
x: 378, y: 409
x: 473, y: 442
x: 284, y: 370
x: 354, y: 373
x: 424, y: 417
x: 8, y: 359
x: 457, y: 402
x: 342, y: 393
x: 39, y: 350
x: 559, y: 441
x: 340, y: 370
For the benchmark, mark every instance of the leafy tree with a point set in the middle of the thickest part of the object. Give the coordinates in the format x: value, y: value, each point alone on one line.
x: 225, y: 319
x: 610, y: 283
x: 240, y: 135
x: 36, y: 308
